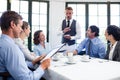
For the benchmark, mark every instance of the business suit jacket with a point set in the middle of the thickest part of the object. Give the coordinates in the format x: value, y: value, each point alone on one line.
x: 116, y: 52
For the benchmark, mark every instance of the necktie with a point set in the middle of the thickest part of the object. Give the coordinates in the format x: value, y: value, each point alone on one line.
x: 68, y: 23
x: 89, y: 47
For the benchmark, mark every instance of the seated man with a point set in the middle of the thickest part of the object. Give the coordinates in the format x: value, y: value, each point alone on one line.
x: 12, y: 59
x: 92, y: 44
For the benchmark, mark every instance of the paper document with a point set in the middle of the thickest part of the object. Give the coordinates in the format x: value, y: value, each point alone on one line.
x: 52, y: 52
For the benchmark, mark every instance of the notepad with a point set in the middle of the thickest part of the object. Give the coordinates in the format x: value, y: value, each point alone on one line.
x: 53, y: 52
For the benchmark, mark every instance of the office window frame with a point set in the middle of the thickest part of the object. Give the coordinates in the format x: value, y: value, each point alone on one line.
x: 41, y: 14
x: 87, y: 11
x: 29, y: 19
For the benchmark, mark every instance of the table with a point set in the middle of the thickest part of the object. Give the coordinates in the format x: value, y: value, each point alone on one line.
x: 95, y: 69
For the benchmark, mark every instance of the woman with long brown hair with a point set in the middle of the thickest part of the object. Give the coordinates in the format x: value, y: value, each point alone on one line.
x: 41, y: 47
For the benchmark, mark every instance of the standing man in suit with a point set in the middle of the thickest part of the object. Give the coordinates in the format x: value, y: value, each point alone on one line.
x: 70, y: 29
x: 112, y: 34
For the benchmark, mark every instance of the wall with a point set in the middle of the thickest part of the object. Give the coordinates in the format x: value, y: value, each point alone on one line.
x: 55, y: 19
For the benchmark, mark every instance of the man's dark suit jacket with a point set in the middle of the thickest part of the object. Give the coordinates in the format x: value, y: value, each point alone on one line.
x: 116, y: 52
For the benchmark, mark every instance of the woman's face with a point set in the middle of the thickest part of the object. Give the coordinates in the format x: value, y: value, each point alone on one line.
x: 41, y: 36
x: 106, y: 35
x: 27, y: 31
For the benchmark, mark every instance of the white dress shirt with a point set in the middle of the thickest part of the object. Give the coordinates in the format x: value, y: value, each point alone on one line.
x: 24, y: 49
x: 78, y: 31
x: 112, y: 48
x: 77, y: 36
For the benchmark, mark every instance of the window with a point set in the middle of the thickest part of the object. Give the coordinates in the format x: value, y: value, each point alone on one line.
x: 79, y: 15
x: 98, y: 17
x: 39, y: 17
x: 34, y: 12
x: 3, y: 7
x: 115, y: 14
x: 100, y: 14
x: 22, y: 8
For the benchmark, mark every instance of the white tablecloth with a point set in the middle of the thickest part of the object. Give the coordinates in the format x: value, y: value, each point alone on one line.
x: 95, y: 69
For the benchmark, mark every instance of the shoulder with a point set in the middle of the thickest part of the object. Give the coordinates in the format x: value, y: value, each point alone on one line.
x: 76, y: 22
x: 11, y: 49
x: 118, y: 44
x: 35, y: 46
x: 6, y: 44
x: 84, y: 40
x: 18, y: 41
x: 98, y: 41
x: 64, y: 20
x: 73, y: 20
x: 47, y: 43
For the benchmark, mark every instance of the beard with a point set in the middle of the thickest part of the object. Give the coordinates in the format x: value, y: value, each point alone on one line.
x: 68, y: 17
x: 16, y: 34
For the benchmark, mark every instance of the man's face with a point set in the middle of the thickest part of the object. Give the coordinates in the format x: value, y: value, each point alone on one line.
x: 89, y: 33
x: 17, y: 29
x: 68, y: 14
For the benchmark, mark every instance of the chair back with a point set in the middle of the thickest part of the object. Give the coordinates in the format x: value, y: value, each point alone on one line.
x: 4, y: 75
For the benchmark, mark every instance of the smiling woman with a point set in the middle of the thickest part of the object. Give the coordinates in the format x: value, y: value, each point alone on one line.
x: 41, y: 47
x: 112, y: 34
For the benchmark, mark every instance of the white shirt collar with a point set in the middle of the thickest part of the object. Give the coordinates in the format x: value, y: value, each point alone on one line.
x: 112, y: 48
x: 69, y: 20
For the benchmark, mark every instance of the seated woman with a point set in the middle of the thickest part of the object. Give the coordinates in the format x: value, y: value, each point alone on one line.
x: 40, y: 47
x: 112, y: 34
x: 20, y: 42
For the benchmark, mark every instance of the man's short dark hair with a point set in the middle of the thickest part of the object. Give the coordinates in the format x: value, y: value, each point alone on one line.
x: 68, y: 8
x: 95, y: 29
x: 7, y: 17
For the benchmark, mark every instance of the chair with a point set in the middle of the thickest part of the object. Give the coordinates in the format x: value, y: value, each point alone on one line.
x: 4, y: 75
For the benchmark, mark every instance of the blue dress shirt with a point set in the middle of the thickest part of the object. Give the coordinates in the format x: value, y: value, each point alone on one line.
x: 12, y: 60
x: 97, y: 49
x: 39, y: 49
